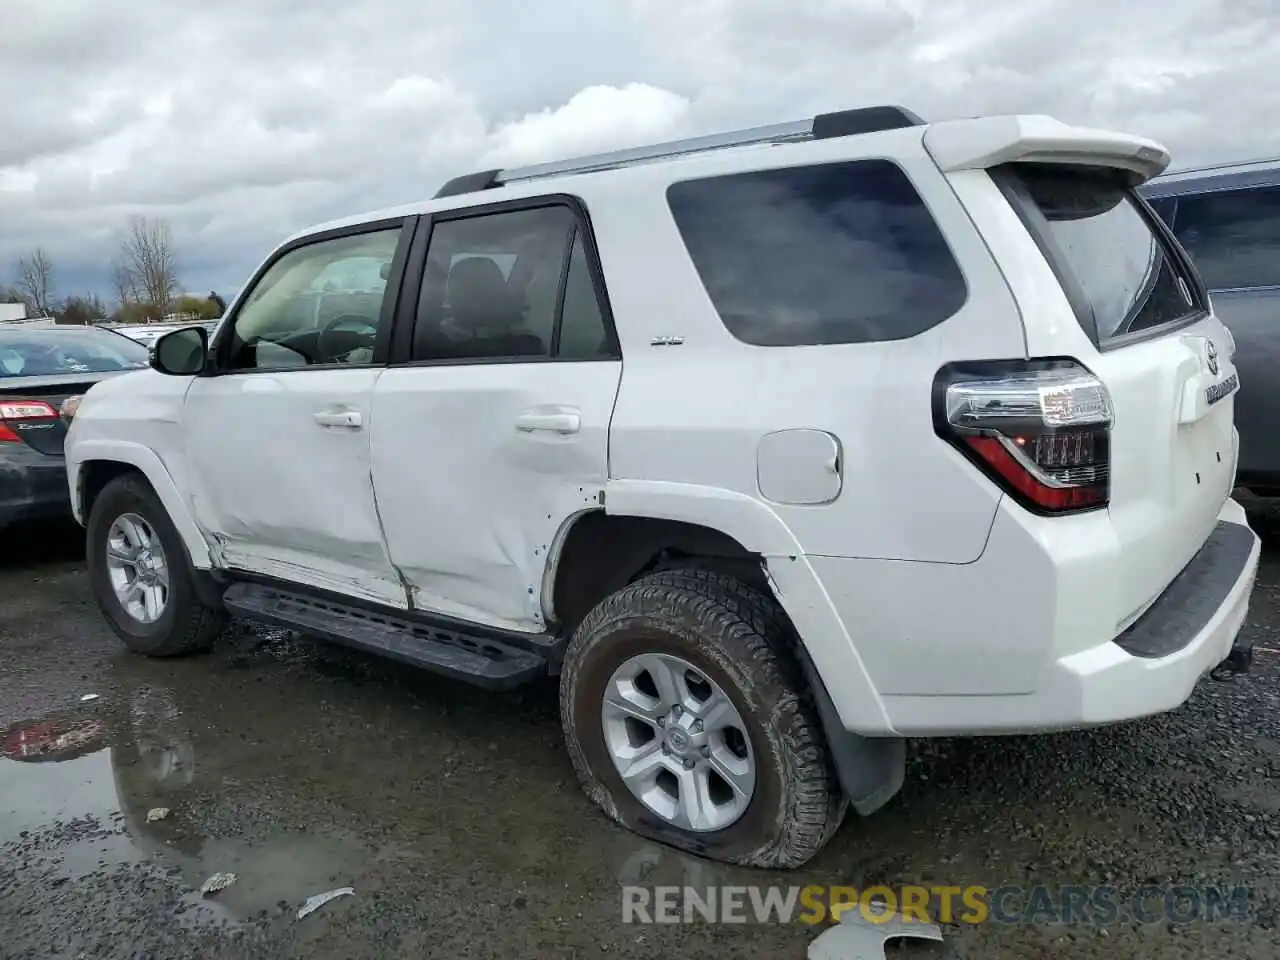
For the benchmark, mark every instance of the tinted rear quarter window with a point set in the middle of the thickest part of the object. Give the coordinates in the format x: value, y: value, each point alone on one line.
x: 1106, y: 248
x: 1233, y: 236
x: 827, y: 254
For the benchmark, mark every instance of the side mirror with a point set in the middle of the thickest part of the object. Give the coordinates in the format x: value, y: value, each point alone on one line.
x: 181, y: 353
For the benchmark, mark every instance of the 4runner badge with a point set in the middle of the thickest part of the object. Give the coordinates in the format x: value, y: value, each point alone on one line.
x: 1211, y: 356
x: 1222, y: 388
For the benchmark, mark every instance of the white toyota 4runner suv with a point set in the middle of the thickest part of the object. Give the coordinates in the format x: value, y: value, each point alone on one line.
x: 776, y: 447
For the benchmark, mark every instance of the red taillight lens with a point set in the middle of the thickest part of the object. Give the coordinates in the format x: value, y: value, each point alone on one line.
x: 1042, y: 430
x: 22, y: 410
x: 26, y: 410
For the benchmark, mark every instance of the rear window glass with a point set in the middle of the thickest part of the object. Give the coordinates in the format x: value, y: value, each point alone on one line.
x: 52, y: 354
x: 827, y: 254
x: 1128, y: 279
x: 1233, y: 237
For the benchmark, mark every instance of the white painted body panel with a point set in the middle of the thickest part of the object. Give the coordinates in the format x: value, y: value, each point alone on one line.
x: 695, y: 413
x: 984, y: 142
x: 472, y: 503
x: 929, y: 602
x: 1006, y: 665
x: 136, y: 419
x: 281, y: 494
x: 799, y: 466
x: 1169, y: 479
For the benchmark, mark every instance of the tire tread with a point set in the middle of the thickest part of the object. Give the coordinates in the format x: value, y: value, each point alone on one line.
x: 752, y: 628
x: 196, y: 625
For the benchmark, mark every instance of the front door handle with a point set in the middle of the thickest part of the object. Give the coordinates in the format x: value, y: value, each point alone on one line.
x: 552, y: 421
x: 340, y: 418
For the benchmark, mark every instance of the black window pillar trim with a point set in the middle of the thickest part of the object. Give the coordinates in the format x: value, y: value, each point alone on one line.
x: 220, y: 348
x: 561, y: 290
x: 394, y: 287
x: 401, y: 342
x: 401, y: 353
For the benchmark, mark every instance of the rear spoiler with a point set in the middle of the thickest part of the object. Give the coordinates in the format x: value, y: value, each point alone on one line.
x: 991, y: 141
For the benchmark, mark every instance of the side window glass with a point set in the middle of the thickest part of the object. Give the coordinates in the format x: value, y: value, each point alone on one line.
x: 583, y: 334
x: 491, y: 285
x: 1233, y: 237
x: 318, y: 304
x: 827, y: 254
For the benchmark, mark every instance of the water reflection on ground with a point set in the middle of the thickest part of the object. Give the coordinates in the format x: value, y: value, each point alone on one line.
x: 456, y: 817
x: 307, y: 789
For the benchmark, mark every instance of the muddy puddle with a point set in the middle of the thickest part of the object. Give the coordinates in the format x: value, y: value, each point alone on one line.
x: 84, y: 798
x: 455, y: 817
x: 300, y: 770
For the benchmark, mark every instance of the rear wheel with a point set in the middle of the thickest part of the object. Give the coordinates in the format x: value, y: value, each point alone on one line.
x: 141, y: 575
x: 688, y: 722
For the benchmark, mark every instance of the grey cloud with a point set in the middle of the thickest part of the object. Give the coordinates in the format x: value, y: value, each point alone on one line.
x: 245, y: 120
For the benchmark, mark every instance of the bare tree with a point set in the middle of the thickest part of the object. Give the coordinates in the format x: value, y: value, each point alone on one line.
x: 123, y: 283
x: 35, y: 280
x: 147, y: 270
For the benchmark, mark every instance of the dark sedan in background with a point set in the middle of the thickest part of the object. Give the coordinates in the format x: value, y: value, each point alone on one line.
x: 40, y: 370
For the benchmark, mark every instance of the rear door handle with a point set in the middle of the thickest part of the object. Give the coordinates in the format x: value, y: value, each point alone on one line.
x: 340, y: 418
x: 552, y: 421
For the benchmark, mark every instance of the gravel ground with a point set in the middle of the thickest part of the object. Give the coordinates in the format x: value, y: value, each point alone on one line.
x: 455, y: 816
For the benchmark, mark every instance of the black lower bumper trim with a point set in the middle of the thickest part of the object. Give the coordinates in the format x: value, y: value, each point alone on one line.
x: 1194, y: 596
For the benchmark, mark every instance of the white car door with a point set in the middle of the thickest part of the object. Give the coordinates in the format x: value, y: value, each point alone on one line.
x: 490, y: 429
x: 277, y: 440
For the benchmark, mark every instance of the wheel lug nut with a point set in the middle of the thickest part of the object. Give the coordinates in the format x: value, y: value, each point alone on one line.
x: 706, y: 751
x: 697, y: 725
x: 688, y: 764
x: 662, y: 721
x: 677, y: 710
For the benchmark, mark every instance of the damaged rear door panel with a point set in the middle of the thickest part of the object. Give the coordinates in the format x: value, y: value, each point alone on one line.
x: 491, y: 427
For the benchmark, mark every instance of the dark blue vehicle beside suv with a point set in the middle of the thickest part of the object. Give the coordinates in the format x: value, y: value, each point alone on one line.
x: 1228, y: 219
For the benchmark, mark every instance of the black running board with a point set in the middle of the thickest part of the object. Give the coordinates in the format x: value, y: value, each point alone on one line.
x: 476, y: 657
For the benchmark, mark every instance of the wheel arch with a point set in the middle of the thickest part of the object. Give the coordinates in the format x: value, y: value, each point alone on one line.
x: 597, y: 553
x: 739, y: 534
x: 98, y: 462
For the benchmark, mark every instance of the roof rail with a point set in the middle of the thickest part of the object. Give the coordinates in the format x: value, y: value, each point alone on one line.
x: 842, y: 123
x: 469, y: 183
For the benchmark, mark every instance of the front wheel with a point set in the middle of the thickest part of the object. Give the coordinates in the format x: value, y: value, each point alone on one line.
x: 688, y: 721
x: 141, y: 575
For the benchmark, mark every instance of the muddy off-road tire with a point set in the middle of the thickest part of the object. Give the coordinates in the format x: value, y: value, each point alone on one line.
x: 690, y: 638
x: 128, y: 518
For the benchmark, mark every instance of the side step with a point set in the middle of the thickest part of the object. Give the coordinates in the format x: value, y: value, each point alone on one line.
x: 470, y: 655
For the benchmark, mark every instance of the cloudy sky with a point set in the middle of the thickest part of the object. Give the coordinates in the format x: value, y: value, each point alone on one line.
x: 240, y: 121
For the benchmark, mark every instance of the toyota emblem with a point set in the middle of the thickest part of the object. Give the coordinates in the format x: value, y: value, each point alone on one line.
x: 1211, y: 356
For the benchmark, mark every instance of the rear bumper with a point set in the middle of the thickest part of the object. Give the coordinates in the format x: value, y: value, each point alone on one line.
x: 1019, y: 641
x: 1150, y: 668
x: 33, y: 486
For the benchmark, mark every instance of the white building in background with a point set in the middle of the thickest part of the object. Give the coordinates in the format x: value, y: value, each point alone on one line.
x: 9, y: 312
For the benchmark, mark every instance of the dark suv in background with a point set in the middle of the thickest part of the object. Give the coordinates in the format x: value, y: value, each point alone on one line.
x: 1228, y: 219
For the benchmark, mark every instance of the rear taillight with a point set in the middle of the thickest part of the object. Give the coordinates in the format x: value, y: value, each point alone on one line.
x: 22, y: 410
x: 1040, y: 429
